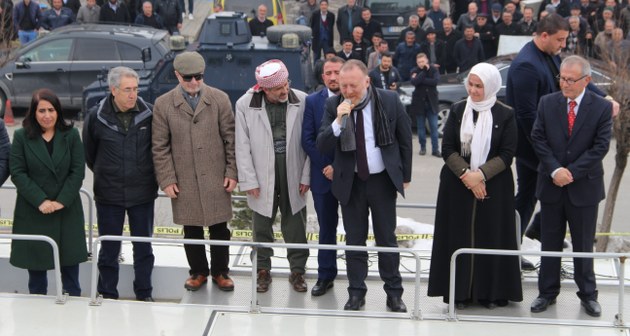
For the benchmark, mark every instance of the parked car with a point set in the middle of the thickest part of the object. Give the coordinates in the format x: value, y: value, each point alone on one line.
x: 452, y: 87
x: 231, y: 55
x: 69, y: 59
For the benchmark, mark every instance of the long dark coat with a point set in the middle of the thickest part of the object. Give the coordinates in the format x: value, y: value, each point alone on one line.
x: 462, y: 221
x: 39, y: 176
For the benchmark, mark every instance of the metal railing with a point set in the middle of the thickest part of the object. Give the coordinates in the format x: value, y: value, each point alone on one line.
x: 90, y: 222
x: 60, y: 298
x: 254, y: 307
x: 618, y: 322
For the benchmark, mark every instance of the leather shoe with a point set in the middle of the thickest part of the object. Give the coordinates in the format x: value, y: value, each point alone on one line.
x: 195, y: 281
x: 396, y: 304
x: 540, y: 304
x: 321, y: 287
x: 423, y: 152
x: 354, y: 303
x: 592, y: 308
x: 147, y: 299
x: 437, y: 154
x: 527, y: 265
x: 297, y: 280
x: 263, y: 280
x: 224, y: 282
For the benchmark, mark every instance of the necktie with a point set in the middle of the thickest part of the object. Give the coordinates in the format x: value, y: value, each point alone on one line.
x: 350, y: 24
x: 362, y: 165
x: 572, y: 105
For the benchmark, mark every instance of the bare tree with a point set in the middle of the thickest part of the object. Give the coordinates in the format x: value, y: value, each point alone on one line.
x: 616, y: 57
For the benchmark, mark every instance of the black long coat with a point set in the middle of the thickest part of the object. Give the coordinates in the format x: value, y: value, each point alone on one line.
x: 462, y: 221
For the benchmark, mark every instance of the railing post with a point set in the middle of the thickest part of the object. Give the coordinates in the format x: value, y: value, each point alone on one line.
x: 416, y: 299
x: 621, y: 274
x: 254, y: 307
x: 94, y: 301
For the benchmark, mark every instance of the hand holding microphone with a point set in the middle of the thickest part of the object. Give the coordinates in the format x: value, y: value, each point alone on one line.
x: 343, y: 110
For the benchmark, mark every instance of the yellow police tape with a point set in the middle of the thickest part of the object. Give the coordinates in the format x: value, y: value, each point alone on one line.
x: 310, y: 236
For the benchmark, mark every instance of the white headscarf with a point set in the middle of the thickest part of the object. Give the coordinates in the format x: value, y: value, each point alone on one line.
x: 475, y: 139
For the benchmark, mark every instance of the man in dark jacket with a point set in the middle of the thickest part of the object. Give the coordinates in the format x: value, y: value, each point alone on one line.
x: 385, y: 76
x: 57, y: 16
x: 347, y: 17
x: 449, y: 36
x: 468, y: 51
x: 171, y: 14
x: 26, y: 18
x: 434, y: 49
x: 322, y: 25
x: 369, y: 25
x: 486, y: 34
x: 148, y: 17
x: 115, y: 11
x: 258, y: 25
x: 405, y: 56
x: 117, y: 141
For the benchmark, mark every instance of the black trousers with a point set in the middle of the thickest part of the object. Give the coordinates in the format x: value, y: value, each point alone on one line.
x: 582, y: 222
x: 196, y: 254
x: 377, y: 196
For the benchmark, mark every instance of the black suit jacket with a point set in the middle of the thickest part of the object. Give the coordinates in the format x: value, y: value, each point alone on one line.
x: 397, y: 156
x: 315, y: 25
x: 581, y: 153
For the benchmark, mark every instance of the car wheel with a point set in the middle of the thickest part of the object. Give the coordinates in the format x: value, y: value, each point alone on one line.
x: 444, y: 110
x: 274, y: 33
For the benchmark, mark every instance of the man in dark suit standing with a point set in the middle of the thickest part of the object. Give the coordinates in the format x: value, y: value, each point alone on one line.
x: 571, y: 136
x: 322, y: 25
x: 372, y: 163
x: 326, y: 205
x: 532, y: 75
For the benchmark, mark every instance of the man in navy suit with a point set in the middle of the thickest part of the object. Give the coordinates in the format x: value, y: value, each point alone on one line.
x: 532, y: 75
x: 372, y: 163
x: 571, y: 136
x: 326, y: 205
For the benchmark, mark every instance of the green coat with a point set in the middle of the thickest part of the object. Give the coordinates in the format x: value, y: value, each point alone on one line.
x: 39, y: 176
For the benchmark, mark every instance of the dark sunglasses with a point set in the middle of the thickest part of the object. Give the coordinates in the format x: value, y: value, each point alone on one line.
x: 188, y: 78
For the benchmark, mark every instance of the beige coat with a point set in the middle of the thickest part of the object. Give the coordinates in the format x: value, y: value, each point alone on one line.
x: 195, y: 150
x: 255, y: 155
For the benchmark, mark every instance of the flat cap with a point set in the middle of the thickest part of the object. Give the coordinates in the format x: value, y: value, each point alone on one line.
x: 189, y: 63
x: 497, y: 7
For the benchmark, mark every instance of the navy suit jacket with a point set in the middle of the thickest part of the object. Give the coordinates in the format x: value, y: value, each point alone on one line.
x: 530, y: 78
x: 397, y: 156
x: 313, y: 114
x: 581, y: 153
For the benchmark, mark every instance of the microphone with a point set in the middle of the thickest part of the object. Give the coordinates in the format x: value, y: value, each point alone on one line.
x: 344, y: 118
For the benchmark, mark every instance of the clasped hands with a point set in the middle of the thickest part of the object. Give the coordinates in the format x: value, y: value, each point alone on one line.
x: 562, y: 177
x: 475, y: 183
x: 48, y: 207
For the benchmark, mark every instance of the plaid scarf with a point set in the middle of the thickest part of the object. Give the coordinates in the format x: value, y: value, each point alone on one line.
x: 382, y: 132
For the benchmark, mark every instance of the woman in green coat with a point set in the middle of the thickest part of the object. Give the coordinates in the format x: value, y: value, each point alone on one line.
x: 47, y: 166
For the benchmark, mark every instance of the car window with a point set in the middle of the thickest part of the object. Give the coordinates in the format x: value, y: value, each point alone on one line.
x: 504, y: 73
x: 391, y: 5
x: 247, y: 6
x: 53, y: 51
x: 129, y: 52
x: 95, y: 49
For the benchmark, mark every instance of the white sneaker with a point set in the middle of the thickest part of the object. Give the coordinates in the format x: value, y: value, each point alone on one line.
x: 191, y: 17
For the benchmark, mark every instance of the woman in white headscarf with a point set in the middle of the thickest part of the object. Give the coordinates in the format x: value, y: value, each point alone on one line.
x: 475, y: 205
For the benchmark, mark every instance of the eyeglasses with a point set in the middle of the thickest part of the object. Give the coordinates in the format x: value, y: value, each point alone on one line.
x: 188, y: 78
x: 569, y: 81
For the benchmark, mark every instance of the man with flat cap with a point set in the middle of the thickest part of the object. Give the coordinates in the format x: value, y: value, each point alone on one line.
x: 273, y: 168
x: 195, y: 165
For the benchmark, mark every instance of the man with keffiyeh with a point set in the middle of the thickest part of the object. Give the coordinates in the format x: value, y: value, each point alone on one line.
x: 370, y: 133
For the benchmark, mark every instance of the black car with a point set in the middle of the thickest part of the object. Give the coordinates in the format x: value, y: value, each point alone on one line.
x: 70, y: 58
x: 452, y: 88
x: 232, y: 55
